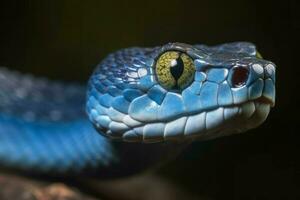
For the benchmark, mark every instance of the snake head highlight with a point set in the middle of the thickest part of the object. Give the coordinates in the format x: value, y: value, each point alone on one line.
x: 180, y: 91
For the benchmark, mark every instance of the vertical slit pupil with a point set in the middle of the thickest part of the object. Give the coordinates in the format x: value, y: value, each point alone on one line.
x: 177, y: 67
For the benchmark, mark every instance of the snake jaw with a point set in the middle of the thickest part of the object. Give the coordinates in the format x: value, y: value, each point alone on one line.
x: 231, y: 92
x: 266, y: 100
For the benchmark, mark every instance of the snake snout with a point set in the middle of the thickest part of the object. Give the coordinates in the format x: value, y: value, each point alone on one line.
x: 261, y: 83
x: 253, y: 81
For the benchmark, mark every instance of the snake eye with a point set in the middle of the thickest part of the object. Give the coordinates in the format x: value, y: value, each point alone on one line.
x: 174, y: 70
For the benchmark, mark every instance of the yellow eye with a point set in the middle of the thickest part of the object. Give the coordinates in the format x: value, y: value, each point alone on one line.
x: 174, y: 70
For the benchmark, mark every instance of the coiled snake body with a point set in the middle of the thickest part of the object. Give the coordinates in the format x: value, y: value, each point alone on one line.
x: 144, y: 102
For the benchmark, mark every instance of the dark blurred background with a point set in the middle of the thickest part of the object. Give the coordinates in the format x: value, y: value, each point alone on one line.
x: 65, y: 39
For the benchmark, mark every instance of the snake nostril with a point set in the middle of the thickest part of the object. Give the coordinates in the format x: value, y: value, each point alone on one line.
x: 239, y: 76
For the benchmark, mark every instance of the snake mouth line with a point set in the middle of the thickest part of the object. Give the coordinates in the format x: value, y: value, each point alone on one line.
x: 254, y: 111
x: 265, y: 100
x: 212, y: 123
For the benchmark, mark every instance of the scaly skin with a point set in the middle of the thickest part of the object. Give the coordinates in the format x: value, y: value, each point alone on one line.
x: 125, y: 100
x: 44, y: 129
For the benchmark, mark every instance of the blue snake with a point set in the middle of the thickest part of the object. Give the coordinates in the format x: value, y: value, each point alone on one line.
x: 141, y: 106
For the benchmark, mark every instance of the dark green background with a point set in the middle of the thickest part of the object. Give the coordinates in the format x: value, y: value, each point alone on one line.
x: 66, y: 39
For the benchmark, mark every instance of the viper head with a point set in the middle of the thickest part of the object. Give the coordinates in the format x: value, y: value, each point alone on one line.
x: 179, y: 91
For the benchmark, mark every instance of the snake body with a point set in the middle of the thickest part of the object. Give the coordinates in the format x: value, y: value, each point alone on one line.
x: 44, y: 127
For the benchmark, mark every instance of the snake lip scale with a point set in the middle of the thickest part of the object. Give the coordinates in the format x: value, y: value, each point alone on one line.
x: 213, y: 133
x: 266, y: 101
x: 165, y: 95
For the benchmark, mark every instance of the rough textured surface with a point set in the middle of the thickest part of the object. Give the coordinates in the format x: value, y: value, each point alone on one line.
x: 16, y: 188
x: 143, y: 187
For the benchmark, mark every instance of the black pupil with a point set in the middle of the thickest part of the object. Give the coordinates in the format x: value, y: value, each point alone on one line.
x: 176, y: 69
x: 239, y: 76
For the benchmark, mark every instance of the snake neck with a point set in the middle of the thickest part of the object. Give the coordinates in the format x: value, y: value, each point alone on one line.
x: 135, y: 158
